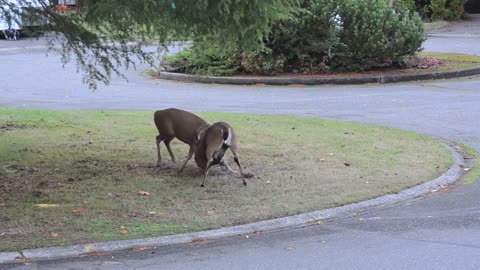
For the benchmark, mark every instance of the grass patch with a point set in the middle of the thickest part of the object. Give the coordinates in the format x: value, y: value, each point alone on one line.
x: 93, y: 164
x: 473, y: 163
x: 453, y: 61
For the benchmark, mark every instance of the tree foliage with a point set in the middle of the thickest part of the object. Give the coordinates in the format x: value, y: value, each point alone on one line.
x: 102, y: 35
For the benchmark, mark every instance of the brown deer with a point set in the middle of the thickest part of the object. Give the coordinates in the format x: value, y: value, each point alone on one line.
x: 213, y: 142
x: 174, y: 123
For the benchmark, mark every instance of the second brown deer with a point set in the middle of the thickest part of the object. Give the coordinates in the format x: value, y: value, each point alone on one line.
x: 212, y: 144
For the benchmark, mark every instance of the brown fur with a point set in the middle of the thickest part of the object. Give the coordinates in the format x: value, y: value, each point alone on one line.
x: 174, y: 123
x: 210, y: 148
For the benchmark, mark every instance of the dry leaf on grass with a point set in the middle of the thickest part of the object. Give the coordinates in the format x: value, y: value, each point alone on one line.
x: 144, y: 193
x: 123, y: 229
x: 78, y: 210
x: 3, y: 205
x: 46, y: 205
x: 54, y: 234
x: 86, y: 202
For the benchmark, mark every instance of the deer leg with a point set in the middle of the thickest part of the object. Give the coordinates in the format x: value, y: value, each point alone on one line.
x: 159, y: 156
x: 190, y: 154
x: 235, y: 158
x: 167, y: 144
x: 205, y: 173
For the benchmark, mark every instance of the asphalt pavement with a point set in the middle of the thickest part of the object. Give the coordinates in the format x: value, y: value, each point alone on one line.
x: 438, y: 231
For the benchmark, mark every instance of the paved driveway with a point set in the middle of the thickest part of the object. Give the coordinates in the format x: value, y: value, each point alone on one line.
x: 439, y: 231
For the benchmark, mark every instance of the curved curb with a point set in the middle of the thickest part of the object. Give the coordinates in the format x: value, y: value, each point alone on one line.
x: 391, y: 78
x: 38, y: 254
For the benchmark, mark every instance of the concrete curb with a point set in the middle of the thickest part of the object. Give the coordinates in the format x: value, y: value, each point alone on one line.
x: 324, y: 80
x: 38, y: 254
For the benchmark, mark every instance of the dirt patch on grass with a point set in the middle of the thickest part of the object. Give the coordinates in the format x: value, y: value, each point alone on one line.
x: 91, y: 176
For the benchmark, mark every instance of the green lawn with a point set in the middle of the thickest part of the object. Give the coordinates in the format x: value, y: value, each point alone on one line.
x: 91, y: 165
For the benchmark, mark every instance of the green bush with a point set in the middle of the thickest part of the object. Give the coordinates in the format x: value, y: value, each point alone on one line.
x: 324, y: 35
x: 202, y: 62
x: 446, y: 9
x: 374, y: 34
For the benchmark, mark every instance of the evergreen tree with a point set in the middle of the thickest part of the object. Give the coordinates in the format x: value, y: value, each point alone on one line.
x: 102, y: 35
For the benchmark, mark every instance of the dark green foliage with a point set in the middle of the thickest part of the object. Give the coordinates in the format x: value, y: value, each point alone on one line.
x: 376, y: 35
x: 210, y: 61
x: 446, y: 9
x: 436, y: 9
x: 330, y: 35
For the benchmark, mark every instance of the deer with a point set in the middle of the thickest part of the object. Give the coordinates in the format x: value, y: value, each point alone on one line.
x: 175, y: 123
x: 213, y: 142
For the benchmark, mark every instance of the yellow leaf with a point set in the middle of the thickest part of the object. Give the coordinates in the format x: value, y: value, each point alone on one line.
x: 88, y: 248
x: 54, y: 234
x: 46, y: 205
x: 319, y: 222
x: 361, y: 220
x: 123, y: 229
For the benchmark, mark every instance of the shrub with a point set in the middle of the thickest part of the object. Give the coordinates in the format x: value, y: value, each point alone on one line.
x: 446, y: 9
x: 324, y: 35
x: 202, y: 62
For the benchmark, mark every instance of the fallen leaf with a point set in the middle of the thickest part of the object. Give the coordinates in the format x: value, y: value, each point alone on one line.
x: 144, y: 193
x: 3, y: 205
x: 201, y: 241
x: 346, y: 164
x: 78, y: 210
x: 319, y: 222
x: 433, y: 190
x: 23, y: 259
x: 123, y: 229
x: 88, y: 248
x: 139, y: 248
x: 100, y: 253
x: 442, y: 185
x: 361, y: 220
x: 46, y: 205
x: 54, y: 234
